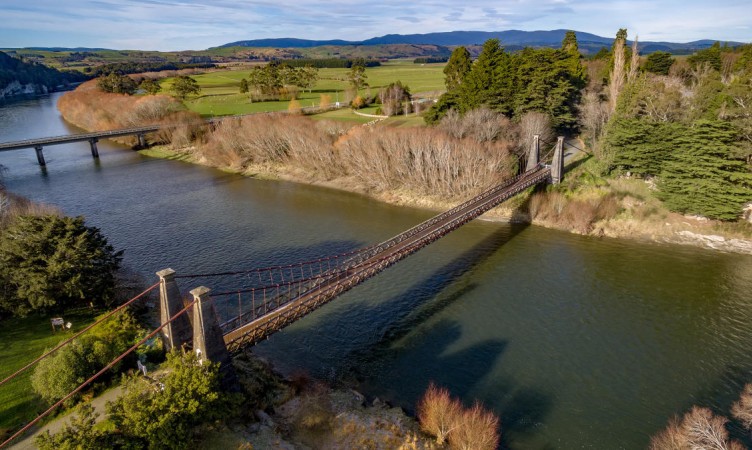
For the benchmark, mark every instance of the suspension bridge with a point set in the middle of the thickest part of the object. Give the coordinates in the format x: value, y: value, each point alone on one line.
x: 269, y: 299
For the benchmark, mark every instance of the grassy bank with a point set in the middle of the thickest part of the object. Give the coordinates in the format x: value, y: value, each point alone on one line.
x: 22, y: 340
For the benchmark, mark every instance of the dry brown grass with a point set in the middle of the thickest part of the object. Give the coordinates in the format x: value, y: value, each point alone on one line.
x: 13, y: 206
x: 579, y: 214
x: 315, y: 413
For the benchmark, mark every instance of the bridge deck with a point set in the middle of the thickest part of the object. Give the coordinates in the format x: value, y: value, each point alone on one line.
x: 66, y: 139
x: 377, y: 259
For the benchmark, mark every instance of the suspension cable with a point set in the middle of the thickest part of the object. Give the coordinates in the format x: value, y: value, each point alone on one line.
x: 95, y: 376
x: 68, y: 341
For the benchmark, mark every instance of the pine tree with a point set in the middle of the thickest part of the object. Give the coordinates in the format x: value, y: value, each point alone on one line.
x: 457, y: 68
x: 639, y: 146
x: 710, y: 56
x: 659, y: 63
x: 489, y: 82
x: 50, y: 262
x: 701, y: 177
x: 544, y: 84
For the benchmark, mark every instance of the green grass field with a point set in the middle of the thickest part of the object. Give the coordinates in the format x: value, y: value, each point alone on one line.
x: 22, y: 340
x: 220, y: 90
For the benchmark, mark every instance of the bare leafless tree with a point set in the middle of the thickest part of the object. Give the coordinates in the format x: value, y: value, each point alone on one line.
x: 699, y: 429
x: 671, y: 438
x: 742, y: 409
x: 634, y: 63
x: 438, y: 413
x: 533, y: 123
x: 617, y: 78
x: 478, y: 429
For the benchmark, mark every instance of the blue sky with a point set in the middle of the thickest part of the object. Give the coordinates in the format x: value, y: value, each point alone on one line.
x: 199, y: 24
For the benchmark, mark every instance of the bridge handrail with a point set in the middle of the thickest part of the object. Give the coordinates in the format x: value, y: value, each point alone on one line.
x: 78, y: 137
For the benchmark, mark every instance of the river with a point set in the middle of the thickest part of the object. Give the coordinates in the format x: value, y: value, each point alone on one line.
x: 576, y: 342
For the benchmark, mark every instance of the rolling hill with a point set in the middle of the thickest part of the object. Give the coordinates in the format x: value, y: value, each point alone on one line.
x: 512, y: 39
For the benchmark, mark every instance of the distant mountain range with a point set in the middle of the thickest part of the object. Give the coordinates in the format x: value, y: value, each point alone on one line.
x: 511, y: 39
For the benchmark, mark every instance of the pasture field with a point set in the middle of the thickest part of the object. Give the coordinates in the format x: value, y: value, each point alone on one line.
x: 220, y: 89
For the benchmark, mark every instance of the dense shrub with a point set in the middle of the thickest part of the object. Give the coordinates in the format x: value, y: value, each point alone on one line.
x: 423, y: 161
x: 56, y: 376
x: 169, y: 414
x: 478, y: 429
x: 444, y: 417
x: 702, y: 176
x: 80, y: 433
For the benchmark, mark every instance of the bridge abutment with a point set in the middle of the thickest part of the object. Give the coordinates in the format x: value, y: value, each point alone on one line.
x: 208, y: 342
x: 533, y: 156
x: 141, y: 140
x: 177, y: 332
x: 557, y: 165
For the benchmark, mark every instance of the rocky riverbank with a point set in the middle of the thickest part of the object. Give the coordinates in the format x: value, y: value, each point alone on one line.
x: 301, y: 413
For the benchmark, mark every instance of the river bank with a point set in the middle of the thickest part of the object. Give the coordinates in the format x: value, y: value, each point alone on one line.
x: 639, y: 215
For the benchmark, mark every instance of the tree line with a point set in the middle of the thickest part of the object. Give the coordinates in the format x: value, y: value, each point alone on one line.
x: 16, y: 69
x: 141, y: 67
x: 544, y: 80
x: 329, y: 63
x: 687, y: 124
x: 274, y: 81
x: 688, y: 127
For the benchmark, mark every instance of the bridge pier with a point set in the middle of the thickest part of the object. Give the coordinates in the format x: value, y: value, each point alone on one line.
x: 557, y: 165
x: 94, y: 150
x: 533, y: 156
x: 208, y: 342
x: 177, y: 332
x: 40, y: 156
x: 141, y: 140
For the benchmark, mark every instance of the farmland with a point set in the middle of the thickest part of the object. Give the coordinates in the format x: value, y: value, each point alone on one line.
x: 220, y: 90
